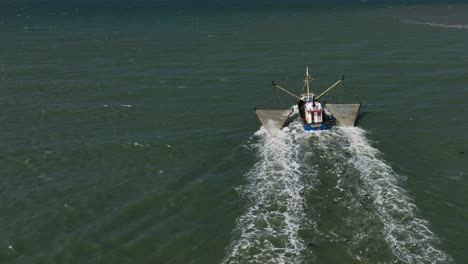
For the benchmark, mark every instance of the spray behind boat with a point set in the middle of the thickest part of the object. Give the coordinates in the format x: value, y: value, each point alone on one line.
x: 312, y: 112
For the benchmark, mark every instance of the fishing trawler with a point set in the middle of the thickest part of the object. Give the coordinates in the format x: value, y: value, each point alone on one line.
x: 314, y: 115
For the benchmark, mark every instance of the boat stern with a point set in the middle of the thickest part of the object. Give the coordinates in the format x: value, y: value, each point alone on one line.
x: 314, y: 127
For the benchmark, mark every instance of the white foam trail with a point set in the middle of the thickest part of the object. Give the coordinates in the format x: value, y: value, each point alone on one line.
x: 268, y: 231
x: 407, y: 234
x: 407, y: 21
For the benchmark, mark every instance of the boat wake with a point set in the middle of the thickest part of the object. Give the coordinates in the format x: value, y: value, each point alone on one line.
x: 386, y: 204
x: 310, y: 194
x: 268, y: 232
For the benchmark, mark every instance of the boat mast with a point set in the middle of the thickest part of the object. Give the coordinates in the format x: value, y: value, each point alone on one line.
x: 307, y: 79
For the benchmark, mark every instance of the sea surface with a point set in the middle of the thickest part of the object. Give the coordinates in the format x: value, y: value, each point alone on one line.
x: 128, y: 132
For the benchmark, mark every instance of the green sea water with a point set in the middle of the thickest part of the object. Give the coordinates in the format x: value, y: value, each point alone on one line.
x: 128, y: 133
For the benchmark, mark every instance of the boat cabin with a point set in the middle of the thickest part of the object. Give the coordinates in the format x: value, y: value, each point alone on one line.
x: 311, y: 110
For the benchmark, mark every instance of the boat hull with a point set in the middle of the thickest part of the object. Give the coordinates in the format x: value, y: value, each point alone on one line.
x: 312, y: 127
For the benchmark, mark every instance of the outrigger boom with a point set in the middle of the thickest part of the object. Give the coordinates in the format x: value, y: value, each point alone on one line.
x: 284, y: 90
x: 331, y: 87
x: 306, y: 81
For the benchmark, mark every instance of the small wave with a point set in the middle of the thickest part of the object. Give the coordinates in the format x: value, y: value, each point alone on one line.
x: 138, y: 144
x: 408, y: 21
x: 268, y: 232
